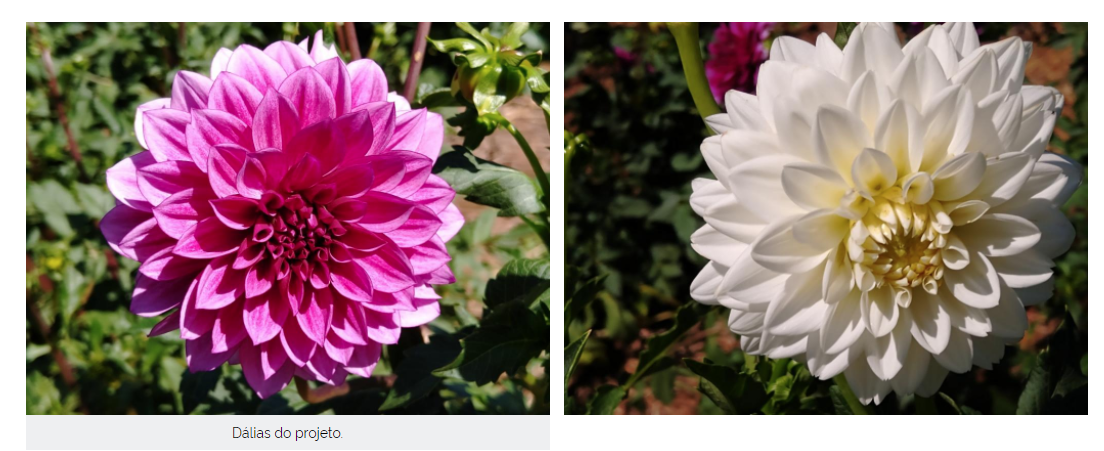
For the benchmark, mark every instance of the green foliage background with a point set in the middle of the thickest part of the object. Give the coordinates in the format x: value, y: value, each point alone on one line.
x: 636, y: 134
x: 86, y: 353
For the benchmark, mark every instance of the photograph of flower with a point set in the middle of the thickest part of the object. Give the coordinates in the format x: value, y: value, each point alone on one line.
x: 346, y: 218
x: 826, y: 218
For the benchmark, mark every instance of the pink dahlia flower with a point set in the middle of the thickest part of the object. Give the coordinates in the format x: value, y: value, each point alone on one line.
x: 734, y: 57
x: 285, y: 214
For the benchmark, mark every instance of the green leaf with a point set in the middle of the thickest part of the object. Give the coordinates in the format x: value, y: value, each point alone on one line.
x: 96, y: 200
x: 1036, y: 392
x: 195, y: 388
x: 508, y: 338
x: 843, y: 32
x: 947, y: 399
x: 534, y: 76
x: 582, y: 297
x: 607, y: 399
x: 475, y: 34
x: 735, y: 393
x: 512, y: 38
x: 414, y: 376
x: 455, y: 44
x: 571, y: 356
x: 685, y: 318
x: 520, y: 280
x: 491, y: 88
x: 839, y: 402
x: 55, y: 202
x: 438, y: 98
x: 488, y: 183
x: 1071, y: 381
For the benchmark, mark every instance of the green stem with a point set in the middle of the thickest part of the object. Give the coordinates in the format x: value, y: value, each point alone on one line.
x: 686, y: 37
x: 852, y: 401
x: 925, y: 406
x: 542, y: 177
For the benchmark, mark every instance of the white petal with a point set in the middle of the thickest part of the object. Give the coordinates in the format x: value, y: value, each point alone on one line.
x: 972, y: 321
x: 940, y: 114
x: 822, y: 229
x: 720, y: 209
x: 1000, y: 234
x: 898, y: 132
x: 743, y: 112
x: 873, y: 172
x: 716, y: 246
x: 933, y: 379
x: 218, y: 64
x: 714, y: 159
x: 1003, y: 179
x: 838, y: 281
x: 866, y: 99
x: 741, y: 146
x: 796, y: 126
x: 843, y: 324
x: 822, y: 364
x: 1027, y: 269
x: 828, y: 54
x: 751, y: 283
x: 838, y: 137
x: 745, y: 323
x: 918, y: 188
x: 1009, y: 320
x: 959, y: 355
x: 783, y: 347
x: 704, y: 287
x: 799, y: 308
x: 813, y: 186
x: 987, y: 351
x: 879, y: 310
x: 883, y: 53
x: 866, y: 386
x: 1059, y: 235
x: 778, y: 250
x: 788, y: 48
x: 1037, y: 294
x: 963, y: 35
x: 915, y: 368
x: 1054, y: 178
x: 966, y: 212
x: 959, y: 176
x: 757, y: 184
x: 978, y: 74
x: 975, y: 285
x: 886, y: 355
x: 931, y: 323
x: 955, y: 254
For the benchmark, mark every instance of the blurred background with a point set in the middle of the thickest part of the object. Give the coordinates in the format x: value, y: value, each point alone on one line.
x: 629, y: 219
x: 86, y: 353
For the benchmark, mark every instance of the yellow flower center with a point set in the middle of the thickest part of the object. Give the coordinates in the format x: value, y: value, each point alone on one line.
x: 899, y: 243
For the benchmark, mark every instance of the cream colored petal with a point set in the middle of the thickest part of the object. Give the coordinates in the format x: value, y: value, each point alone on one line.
x: 1008, y: 318
x: 822, y: 229
x: 899, y: 133
x: 1037, y: 294
x: 843, y: 324
x: 915, y: 368
x: 837, y: 282
x: 866, y: 99
x: 879, y: 310
x: 1027, y: 269
x: 1000, y: 234
x: 1003, y: 179
x: 866, y: 386
x: 757, y: 185
x: 813, y: 186
x: 828, y: 55
x: 959, y: 355
x: 931, y: 323
x: 794, y: 50
x: 966, y: 212
x: 704, y: 287
x: 975, y: 285
x: 838, y: 137
x: 800, y: 307
x: 958, y: 177
x: 750, y: 282
x: 886, y: 355
x: 873, y: 172
x: 716, y: 246
x: 778, y: 250
x: 741, y: 146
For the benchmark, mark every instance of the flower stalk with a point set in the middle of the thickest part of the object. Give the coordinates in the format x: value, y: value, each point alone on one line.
x: 857, y: 407
x: 686, y: 37
x: 538, y: 171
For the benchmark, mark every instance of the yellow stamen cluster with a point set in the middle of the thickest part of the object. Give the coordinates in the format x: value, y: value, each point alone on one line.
x: 899, y: 243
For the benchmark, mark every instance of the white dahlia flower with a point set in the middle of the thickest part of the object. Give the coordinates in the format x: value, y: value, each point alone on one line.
x: 884, y: 212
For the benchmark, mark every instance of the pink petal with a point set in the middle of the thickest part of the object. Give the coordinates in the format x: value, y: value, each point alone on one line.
x: 363, y: 360
x: 385, y: 212
x: 259, y: 278
x: 417, y: 169
x: 251, y: 179
x: 265, y: 377
x: 382, y: 117
x: 248, y: 254
x: 347, y: 210
x: 351, y: 280
x: 358, y: 238
x: 220, y: 285
x: 229, y: 329
x: 209, y: 239
x: 122, y: 180
x: 139, y: 117
x: 165, y: 265
x: 440, y: 276
x: 351, y: 180
x: 321, y: 367
x: 275, y: 164
x: 428, y: 309
x: 152, y: 297
x: 321, y: 140
x: 358, y: 133
x: 293, y: 291
x: 234, y: 95
x: 238, y: 213
x: 133, y: 233
x: 428, y: 256
x: 160, y: 180
x: 210, y: 128
x: 409, y: 126
x: 381, y: 327
x: 259, y: 69
x: 264, y: 316
x: 348, y: 320
x: 320, y: 274
x: 201, y: 355
x: 290, y: 56
x: 275, y: 123
x: 189, y: 91
x: 333, y: 71
x: 165, y: 132
x: 435, y: 193
x: 315, y: 313
x: 299, y: 348
x: 388, y: 170
x: 319, y: 52
x: 169, y: 324
x: 182, y: 211
x: 368, y: 82
x: 422, y: 225
x: 218, y: 64
x: 222, y: 168
x: 338, y: 349
x: 303, y: 174
x: 433, y: 136
x: 309, y: 95
x: 399, y: 301
x: 389, y: 268
x: 451, y: 222
x: 194, y: 322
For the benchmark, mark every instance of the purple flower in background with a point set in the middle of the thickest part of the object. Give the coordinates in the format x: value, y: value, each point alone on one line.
x: 735, y: 55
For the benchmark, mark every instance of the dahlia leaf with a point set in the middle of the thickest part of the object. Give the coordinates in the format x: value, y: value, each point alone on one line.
x: 508, y: 338
x: 843, y: 32
x: 195, y: 388
x: 571, y: 356
x: 55, y: 202
x: 520, y: 280
x: 1037, y: 390
x: 839, y: 402
x: 582, y: 297
x: 96, y: 200
x: 454, y: 45
x: 607, y: 399
x: 512, y: 38
x: 735, y: 393
x: 488, y: 183
x: 414, y: 375
x: 656, y: 348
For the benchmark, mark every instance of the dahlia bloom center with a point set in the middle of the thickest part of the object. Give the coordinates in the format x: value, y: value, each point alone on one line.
x: 899, y: 244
